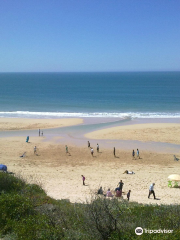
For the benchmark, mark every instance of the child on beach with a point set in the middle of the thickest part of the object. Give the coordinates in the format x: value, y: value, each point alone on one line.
x: 83, y: 178
x: 128, y: 194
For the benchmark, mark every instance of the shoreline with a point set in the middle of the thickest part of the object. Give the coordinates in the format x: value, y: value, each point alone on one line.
x: 48, y: 123
x: 129, y: 133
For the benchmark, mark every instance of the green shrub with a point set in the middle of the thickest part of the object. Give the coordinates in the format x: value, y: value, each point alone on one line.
x: 9, y: 183
x: 13, y: 207
x: 37, y: 227
x: 27, y: 213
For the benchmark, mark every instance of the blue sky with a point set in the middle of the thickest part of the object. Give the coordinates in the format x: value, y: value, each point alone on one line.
x: 89, y: 35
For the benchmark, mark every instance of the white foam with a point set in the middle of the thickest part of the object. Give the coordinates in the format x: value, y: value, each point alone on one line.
x: 27, y: 114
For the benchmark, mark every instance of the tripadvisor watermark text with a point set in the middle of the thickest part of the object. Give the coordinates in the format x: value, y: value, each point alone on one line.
x: 140, y: 231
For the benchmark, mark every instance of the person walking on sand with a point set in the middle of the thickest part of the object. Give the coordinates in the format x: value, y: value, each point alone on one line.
x: 83, y: 178
x: 35, y: 149
x: 133, y: 154
x: 114, y: 152
x: 66, y: 149
x: 39, y: 132
x: 88, y: 144
x: 138, y: 154
x: 92, y: 151
x: 151, y: 190
x: 128, y: 194
x: 97, y: 147
x: 42, y: 133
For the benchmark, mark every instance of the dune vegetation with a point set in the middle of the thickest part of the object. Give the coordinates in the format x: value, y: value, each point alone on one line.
x: 26, y: 212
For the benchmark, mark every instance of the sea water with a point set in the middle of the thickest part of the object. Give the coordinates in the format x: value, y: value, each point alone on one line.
x: 101, y: 94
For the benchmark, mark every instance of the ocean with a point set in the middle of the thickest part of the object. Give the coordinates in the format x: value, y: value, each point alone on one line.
x: 101, y: 94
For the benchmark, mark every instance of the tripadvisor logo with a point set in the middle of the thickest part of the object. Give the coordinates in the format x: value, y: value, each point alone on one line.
x: 139, y: 231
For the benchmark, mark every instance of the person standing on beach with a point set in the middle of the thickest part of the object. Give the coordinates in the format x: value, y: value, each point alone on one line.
x: 83, y: 178
x: 128, y: 194
x: 97, y: 147
x: 27, y: 139
x: 35, y: 149
x: 133, y: 154
x: 88, y: 144
x: 120, y: 186
x: 66, y: 149
x: 92, y: 151
x: 39, y: 132
x: 138, y: 154
x: 114, y: 152
x: 151, y: 190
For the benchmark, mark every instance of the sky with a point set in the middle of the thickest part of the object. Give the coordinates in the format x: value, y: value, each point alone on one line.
x: 89, y: 35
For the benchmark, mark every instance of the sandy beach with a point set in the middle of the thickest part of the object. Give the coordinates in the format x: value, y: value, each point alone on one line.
x: 157, y: 132
x: 29, y: 123
x: 59, y: 173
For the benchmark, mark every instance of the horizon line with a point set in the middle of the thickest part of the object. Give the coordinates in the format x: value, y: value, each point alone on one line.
x: 138, y: 71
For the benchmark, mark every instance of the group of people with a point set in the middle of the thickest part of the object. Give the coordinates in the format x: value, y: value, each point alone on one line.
x: 137, y: 153
x: 114, y: 151
x: 40, y: 133
x: 97, y: 147
x: 92, y: 150
x: 118, y: 190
